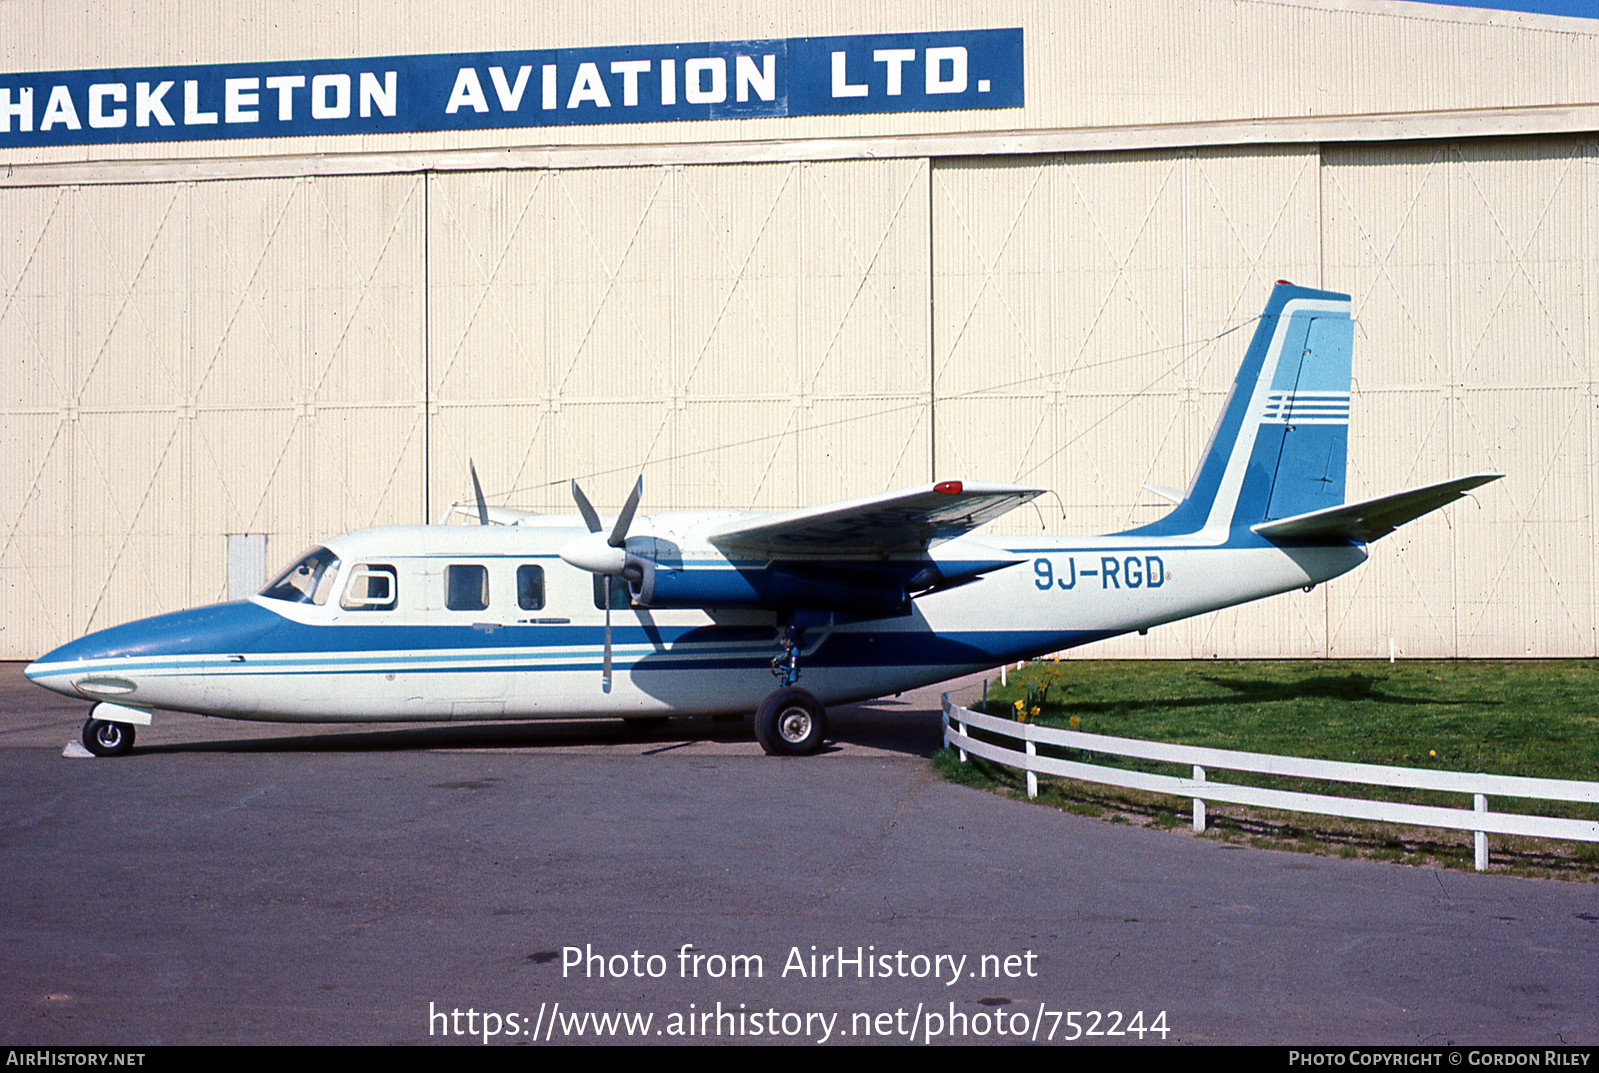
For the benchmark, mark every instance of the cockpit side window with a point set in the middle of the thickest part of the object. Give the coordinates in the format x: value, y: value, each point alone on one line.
x: 466, y: 587
x: 372, y: 587
x: 308, y: 581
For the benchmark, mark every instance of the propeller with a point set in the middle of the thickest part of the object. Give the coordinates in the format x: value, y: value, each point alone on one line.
x: 608, y: 559
x: 624, y: 520
x: 477, y: 490
x: 585, y: 508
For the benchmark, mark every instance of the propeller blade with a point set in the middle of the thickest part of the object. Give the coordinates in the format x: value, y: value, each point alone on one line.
x: 477, y: 490
x: 585, y: 508
x: 605, y: 672
x: 625, y: 519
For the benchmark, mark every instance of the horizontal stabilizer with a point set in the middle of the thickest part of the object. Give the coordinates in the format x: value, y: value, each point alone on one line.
x: 897, y: 522
x: 1367, y: 521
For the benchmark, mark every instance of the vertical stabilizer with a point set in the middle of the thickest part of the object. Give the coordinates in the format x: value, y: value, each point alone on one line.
x: 1281, y: 444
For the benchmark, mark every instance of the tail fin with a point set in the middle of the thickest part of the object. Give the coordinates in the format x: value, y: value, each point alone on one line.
x: 1280, y: 447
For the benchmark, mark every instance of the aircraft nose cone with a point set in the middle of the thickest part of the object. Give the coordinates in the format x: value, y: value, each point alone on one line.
x: 40, y: 671
x: 132, y: 646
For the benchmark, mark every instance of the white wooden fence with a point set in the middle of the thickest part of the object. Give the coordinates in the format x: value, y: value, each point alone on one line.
x: 959, y: 722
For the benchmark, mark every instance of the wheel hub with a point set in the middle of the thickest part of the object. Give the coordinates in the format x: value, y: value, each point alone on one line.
x: 794, y: 725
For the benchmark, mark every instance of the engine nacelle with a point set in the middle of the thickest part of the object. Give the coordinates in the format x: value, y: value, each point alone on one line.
x: 870, y: 589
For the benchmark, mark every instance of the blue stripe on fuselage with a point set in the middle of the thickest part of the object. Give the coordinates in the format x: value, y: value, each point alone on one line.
x: 170, y: 643
x: 245, y: 628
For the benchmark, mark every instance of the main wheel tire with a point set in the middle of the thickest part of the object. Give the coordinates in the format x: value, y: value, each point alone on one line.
x: 104, y: 738
x: 790, y: 722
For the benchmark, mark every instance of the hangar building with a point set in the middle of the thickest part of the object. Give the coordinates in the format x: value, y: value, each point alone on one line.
x: 272, y: 272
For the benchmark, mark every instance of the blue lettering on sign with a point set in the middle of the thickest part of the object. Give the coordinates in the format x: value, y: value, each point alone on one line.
x: 796, y: 76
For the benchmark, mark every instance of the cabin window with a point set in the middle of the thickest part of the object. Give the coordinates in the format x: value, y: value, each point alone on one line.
x: 466, y: 587
x: 620, y: 600
x: 372, y: 587
x: 308, y: 581
x: 530, y: 587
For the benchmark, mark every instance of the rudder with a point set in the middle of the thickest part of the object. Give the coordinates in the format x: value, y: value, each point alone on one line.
x: 1306, y: 419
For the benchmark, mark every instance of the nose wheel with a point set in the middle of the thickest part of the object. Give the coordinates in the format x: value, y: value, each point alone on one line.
x: 104, y: 738
x: 790, y: 722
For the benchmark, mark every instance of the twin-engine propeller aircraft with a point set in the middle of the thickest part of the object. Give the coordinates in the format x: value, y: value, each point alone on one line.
x: 527, y: 617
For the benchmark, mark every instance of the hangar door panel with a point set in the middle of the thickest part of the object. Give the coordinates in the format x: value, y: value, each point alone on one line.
x: 748, y: 336
x: 1086, y: 316
x: 229, y: 357
x: 36, y: 421
x: 1475, y: 293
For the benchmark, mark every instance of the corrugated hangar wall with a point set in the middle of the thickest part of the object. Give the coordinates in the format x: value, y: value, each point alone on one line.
x: 192, y: 360
x: 754, y: 335
x: 302, y: 335
x: 303, y: 356
x: 1100, y: 283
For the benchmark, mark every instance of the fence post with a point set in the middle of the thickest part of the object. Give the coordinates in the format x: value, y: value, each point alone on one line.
x: 960, y: 724
x: 1480, y: 803
x: 1032, y: 776
x: 1199, y: 803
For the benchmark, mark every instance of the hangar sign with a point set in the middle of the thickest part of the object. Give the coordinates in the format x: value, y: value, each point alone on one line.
x: 796, y: 76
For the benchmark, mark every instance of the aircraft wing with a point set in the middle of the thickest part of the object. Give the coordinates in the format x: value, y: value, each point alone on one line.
x: 905, y: 521
x: 497, y: 515
x: 1374, y: 518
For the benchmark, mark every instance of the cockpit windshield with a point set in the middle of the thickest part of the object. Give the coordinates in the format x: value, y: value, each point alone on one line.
x: 306, y: 582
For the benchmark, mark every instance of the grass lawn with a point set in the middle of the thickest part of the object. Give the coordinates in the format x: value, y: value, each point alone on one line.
x: 1510, y: 717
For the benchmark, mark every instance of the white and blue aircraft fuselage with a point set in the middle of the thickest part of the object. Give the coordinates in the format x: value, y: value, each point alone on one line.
x: 695, y: 612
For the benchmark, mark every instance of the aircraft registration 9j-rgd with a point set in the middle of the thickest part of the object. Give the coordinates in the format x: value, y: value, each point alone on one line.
x: 529, y: 617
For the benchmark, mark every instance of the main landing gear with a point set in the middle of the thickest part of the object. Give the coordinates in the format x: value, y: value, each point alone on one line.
x: 790, y: 721
x: 104, y: 738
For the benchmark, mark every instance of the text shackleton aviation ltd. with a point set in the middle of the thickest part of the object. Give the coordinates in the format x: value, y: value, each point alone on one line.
x: 798, y: 76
